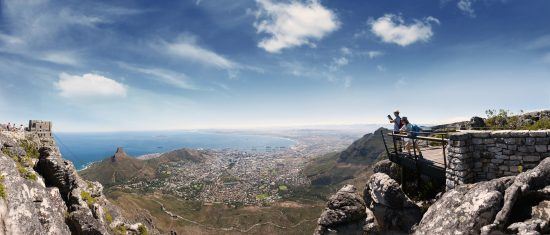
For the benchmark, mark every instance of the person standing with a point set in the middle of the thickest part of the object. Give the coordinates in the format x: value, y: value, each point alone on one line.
x: 396, y: 122
x: 412, y: 131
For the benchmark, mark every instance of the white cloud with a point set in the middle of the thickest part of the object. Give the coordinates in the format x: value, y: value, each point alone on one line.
x: 177, y: 79
x: 345, y: 51
x: 393, y: 29
x: 89, y: 86
x: 381, y: 68
x: 374, y: 54
x: 466, y: 7
x: 60, y: 57
x: 186, y: 47
x: 337, y: 63
x: 292, y: 24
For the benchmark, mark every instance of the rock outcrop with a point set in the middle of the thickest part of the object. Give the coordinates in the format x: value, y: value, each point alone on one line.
x: 505, y: 205
x: 345, y: 213
x: 508, y: 205
x: 41, y: 193
x: 387, y: 167
x: 393, y: 210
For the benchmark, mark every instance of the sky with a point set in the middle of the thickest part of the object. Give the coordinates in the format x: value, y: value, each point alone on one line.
x: 164, y: 65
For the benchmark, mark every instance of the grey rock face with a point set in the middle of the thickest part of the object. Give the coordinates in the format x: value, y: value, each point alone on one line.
x: 344, y: 214
x: 489, y: 207
x: 28, y: 207
x: 391, y: 207
x: 387, y: 167
x: 535, y: 181
x: 465, y: 209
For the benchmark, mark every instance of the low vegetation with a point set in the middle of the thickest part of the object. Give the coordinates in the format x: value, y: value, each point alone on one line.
x: 505, y: 119
x: 121, y: 229
x: 108, y: 217
x: 30, y: 148
x: 3, y: 192
x: 87, y: 197
x: 142, y: 230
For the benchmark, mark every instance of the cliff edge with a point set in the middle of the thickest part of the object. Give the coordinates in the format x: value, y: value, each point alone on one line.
x: 42, y: 193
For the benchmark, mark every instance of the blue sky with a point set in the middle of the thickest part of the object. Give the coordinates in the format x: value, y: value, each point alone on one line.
x: 146, y: 65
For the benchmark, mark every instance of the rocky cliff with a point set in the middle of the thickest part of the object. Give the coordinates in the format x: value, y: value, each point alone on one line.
x: 508, y: 205
x: 42, y: 193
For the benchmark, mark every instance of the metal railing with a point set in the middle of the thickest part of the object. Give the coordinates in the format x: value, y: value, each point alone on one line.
x: 433, y: 140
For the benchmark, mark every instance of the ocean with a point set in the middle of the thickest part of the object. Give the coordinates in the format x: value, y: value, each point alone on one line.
x: 85, y: 148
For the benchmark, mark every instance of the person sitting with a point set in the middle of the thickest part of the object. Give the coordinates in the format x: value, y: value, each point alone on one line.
x: 412, y: 131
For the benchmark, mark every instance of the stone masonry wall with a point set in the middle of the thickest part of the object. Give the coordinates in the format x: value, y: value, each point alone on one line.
x: 475, y: 156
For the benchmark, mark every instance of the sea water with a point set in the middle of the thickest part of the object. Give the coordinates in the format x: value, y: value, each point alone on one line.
x: 85, y: 148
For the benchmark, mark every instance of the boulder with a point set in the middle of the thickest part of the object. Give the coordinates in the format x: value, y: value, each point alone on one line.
x: 82, y: 222
x: 534, y: 181
x: 464, y: 209
x: 476, y: 122
x: 389, y: 168
x: 394, y: 211
x: 498, y: 206
x: 345, y: 213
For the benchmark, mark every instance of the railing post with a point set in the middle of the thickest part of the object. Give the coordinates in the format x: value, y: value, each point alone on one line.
x: 385, y: 145
x: 394, y: 145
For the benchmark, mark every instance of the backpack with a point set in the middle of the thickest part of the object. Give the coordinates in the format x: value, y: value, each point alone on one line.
x: 414, y: 130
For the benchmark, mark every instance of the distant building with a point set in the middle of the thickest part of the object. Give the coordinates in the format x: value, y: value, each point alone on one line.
x: 42, y: 128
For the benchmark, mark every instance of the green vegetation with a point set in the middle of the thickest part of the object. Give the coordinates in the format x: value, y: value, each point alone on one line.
x: 3, y: 193
x: 87, y: 197
x: 262, y: 196
x: 108, y: 217
x: 142, y: 230
x: 25, y: 173
x: 504, y: 119
x: 283, y: 187
x: 30, y: 148
x: 31, y: 176
x: 297, y: 217
x: 121, y: 229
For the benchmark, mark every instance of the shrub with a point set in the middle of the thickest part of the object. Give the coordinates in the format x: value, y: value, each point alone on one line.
x: 142, y: 230
x: 108, y: 217
x: 30, y: 149
x: 31, y: 176
x: 541, y: 124
x: 3, y: 193
x: 121, y: 229
x: 87, y: 197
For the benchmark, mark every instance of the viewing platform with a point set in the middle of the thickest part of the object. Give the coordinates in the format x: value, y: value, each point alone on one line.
x: 469, y: 156
x: 430, y: 161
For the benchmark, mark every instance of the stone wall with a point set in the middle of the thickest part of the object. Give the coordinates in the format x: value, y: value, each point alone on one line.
x: 475, y: 156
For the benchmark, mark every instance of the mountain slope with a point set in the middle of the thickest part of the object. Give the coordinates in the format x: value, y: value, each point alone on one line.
x: 121, y: 168
x: 351, y: 164
x: 117, y: 169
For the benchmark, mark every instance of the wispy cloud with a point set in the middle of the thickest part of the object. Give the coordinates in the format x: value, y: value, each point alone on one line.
x: 393, y: 29
x: 374, y: 54
x: 186, y: 47
x: 89, y: 86
x: 34, y: 28
x: 60, y: 57
x: 177, y: 79
x: 466, y: 7
x: 292, y: 24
